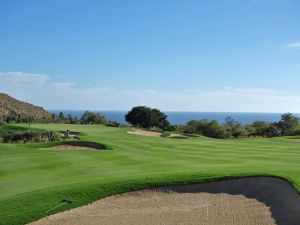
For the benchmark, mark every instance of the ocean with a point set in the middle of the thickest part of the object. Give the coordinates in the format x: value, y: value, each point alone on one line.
x: 184, y: 117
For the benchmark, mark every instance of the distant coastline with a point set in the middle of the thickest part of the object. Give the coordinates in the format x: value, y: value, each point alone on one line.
x: 184, y: 117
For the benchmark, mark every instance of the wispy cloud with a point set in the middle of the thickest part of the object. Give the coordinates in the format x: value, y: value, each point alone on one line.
x: 293, y: 45
x: 62, y: 84
x: 41, y: 90
x: 22, y: 79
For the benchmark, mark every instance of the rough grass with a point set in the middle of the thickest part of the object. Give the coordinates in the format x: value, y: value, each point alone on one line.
x: 33, y: 181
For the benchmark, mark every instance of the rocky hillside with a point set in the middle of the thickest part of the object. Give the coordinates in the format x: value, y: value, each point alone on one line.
x: 11, y: 106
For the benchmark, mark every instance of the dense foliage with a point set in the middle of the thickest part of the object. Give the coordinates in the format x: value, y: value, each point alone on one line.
x: 288, y: 125
x: 14, y: 134
x: 145, y: 117
x: 206, y: 128
x: 92, y: 118
x: 87, y: 118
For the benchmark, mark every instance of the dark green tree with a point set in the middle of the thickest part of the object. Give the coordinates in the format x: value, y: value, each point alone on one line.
x: 61, y: 116
x: 233, y: 128
x: 261, y: 128
x: 206, y: 128
x: 53, y: 116
x: 70, y: 119
x: 289, y: 124
x: 145, y: 117
x: 93, y: 118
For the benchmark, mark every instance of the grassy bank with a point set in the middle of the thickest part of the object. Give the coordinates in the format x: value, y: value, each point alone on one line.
x: 33, y: 179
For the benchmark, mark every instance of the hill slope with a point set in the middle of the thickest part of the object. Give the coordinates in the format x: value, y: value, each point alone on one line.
x: 11, y: 106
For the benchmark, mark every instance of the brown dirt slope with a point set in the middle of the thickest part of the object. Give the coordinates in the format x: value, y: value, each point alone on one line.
x: 12, y: 106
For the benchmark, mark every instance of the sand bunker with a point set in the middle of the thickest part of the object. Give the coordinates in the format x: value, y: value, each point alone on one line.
x: 294, y: 140
x: 243, y: 201
x: 144, y: 133
x: 78, y: 145
x: 178, y: 136
x: 154, y: 134
x: 169, y: 208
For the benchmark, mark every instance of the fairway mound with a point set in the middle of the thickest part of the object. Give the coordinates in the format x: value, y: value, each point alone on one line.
x: 78, y: 145
x: 247, y: 201
x: 144, y: 133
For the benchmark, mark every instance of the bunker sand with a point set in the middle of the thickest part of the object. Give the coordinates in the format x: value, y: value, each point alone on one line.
x: 156, y: 207
x: 78, y: 145
x: 248, y: 201
x: 144, y: 133
x: 294, y: 140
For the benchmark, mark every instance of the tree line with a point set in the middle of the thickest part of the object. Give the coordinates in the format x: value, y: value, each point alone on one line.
x: 145, y: 117
x: 87, y: 118
x: 149, y: 118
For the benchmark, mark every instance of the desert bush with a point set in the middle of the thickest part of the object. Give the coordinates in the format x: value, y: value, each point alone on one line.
x: 113, y: 124
x: 206, y: 128
x: 14, y: 134
x: 93, y: 118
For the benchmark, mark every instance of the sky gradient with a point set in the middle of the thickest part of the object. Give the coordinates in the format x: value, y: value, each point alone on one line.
x: 227, y: 55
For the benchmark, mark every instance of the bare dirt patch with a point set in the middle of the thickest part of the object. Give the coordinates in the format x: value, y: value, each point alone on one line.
x: 294, y: 140
x: 144, y: 133
x: 78, y: 145
x: 157, y: 207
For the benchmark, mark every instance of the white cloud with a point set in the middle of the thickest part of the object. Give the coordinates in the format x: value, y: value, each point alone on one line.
x: 62, y: 84
x: 293, y: 45
x: 22, y: 79
x: 41, y: 90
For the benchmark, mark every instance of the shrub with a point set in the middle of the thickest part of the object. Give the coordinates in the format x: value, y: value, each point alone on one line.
x: 93, y: 118
x: 206, y: 128
x: 13, y: 134
x: 113, y: 124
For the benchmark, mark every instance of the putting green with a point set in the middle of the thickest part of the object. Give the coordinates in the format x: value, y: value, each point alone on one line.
x: 33, y: 180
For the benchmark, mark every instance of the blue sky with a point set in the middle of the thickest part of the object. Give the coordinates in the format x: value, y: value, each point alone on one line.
x: 225, y: 55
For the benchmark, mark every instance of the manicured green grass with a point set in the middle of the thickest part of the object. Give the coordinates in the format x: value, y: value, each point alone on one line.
x: 33, y: 180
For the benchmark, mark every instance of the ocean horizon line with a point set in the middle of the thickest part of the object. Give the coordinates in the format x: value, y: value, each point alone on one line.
x: 175, y: 111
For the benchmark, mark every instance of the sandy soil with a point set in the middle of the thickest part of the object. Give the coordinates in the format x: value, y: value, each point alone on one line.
x: 78, y: 145
x: 179, y: 136
x: 167, y: 208
x: 294, y: 140
x: 144, y: 133
x: 69, y: 147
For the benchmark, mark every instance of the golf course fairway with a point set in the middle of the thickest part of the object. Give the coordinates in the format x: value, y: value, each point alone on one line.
x: 35, y: 178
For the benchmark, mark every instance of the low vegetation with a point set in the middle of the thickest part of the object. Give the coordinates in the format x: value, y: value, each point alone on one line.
x: 153, y: 119
x: 14, y: 111
x: 14, y: 134
x: 287, y: 126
